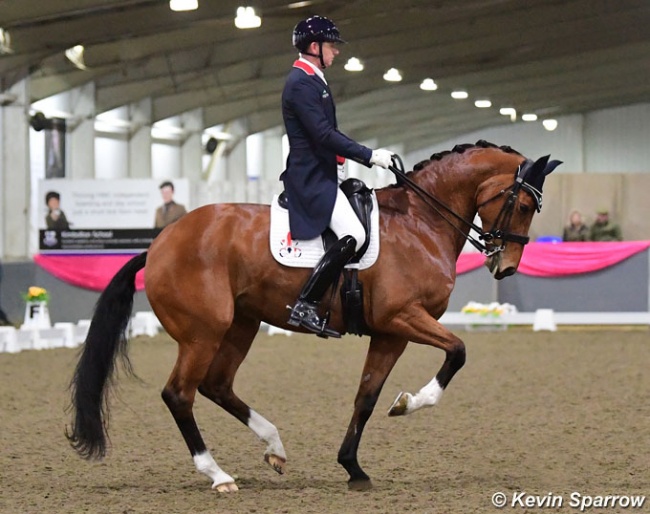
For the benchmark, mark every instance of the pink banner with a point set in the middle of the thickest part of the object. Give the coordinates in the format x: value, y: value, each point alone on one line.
x: 562, y: 259
x: 94, y: 272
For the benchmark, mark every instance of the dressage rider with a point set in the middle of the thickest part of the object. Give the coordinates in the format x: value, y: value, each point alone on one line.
x: 310, y: 179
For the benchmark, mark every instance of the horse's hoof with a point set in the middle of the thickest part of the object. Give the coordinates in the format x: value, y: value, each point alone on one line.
x: 277, y: 463
x: 400, y: 405
x: 359, y: 485
x: 228, y: 487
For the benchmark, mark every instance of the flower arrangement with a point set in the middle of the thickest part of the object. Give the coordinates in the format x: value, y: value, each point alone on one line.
x: 493, y: 309
x: 36, y: 294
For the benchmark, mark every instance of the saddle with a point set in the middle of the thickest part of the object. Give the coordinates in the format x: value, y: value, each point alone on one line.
x: 359, y: 196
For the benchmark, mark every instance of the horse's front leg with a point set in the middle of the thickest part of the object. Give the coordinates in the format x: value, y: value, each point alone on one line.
x: 424, y: 329
x: 383, y: 353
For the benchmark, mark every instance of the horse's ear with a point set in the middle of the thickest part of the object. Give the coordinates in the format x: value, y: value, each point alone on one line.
x: 551, y: 166
x: 540, y: 165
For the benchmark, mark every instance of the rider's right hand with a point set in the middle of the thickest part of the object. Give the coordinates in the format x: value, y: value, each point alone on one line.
x: 382, y: 158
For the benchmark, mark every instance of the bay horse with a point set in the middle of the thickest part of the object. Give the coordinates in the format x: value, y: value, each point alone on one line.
x: 211, y: 280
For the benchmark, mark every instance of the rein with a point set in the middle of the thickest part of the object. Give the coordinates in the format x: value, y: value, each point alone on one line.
x: 505, y: 215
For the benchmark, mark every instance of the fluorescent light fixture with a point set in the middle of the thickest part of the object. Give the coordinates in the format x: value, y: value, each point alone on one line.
x: 509, y: 111
x: 393, y: 75
x: 5, y: 42
x: 459, y: 95
x: 483, y: 104
x: 247, y: 19
x: 183, y: 5
x: 529, y: 117
x: 550, y: 124
x: 428, y: 85
x: 76, y: 56
x: 353, y: 64
x: 298, y: 5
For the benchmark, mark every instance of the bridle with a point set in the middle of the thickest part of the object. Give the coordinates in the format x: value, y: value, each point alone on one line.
x: 500, y: 227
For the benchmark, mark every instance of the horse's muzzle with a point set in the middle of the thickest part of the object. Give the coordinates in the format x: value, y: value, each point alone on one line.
x: 493, y: 263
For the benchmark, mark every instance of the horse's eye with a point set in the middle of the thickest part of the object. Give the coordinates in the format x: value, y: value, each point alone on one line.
x: 524, y: 209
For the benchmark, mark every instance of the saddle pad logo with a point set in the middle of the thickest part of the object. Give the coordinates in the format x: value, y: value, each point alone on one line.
x: 290, y: 248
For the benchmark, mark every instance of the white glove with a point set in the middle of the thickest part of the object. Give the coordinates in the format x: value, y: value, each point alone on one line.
x: 382, y: 158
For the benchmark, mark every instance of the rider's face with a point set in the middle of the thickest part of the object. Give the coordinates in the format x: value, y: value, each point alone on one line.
x: 330, y: 51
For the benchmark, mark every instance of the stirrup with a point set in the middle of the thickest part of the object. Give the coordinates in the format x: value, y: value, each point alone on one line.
x: 303, y: 314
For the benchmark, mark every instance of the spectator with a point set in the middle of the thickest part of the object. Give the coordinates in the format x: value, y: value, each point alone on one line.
x: 576, y: 230
x: 55, y: 219
x: 169, y: 211
x: 603, y: 229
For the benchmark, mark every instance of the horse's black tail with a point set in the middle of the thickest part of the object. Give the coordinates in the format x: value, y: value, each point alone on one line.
x: 94, y: 372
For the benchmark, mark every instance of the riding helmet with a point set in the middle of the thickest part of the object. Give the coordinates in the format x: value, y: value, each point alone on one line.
x: 315, y: 29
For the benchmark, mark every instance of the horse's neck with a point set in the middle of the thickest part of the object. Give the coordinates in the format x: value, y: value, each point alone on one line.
x: 455, y: 185
x: 455, y: 181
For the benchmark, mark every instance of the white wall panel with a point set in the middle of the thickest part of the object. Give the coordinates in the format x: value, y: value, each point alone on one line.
x: 111, y: 158
x: 618, y: 140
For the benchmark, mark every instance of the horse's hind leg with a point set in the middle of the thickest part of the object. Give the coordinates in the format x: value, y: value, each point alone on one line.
x: 382, y: 355
x: 191, y: 367
x: 218, y: 383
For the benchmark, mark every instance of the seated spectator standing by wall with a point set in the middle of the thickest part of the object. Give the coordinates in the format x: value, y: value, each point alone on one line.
x: 576, y: 230
x: 604, y: 229
x: 55, y: 219
x: 169, y: 211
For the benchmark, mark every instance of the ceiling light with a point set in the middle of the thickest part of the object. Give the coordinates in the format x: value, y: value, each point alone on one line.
x: 483, y: 104
x: 247, y: 19
x: 529, y: 117
x: 353, y: 64
x: 550, y: 124
x: 393, y: 75
x: 508, y: 111
x: 5, y: 42
x: 459, y: 95
x: 183, y: 5
x: 76, y: 56
x: 428, y: 85
x: 298, y: 5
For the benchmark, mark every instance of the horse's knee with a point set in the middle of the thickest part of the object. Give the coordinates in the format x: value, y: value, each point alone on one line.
x: 457, y: 354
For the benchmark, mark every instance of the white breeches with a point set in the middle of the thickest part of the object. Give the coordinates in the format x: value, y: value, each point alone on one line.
x: 344, y: 221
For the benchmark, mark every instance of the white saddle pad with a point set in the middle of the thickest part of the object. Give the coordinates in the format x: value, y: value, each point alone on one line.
x: 306, y: 253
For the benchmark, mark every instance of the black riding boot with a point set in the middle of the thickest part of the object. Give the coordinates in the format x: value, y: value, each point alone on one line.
x: 304, y: 313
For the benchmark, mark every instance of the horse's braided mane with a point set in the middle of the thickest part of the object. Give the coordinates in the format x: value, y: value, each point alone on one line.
x: 481, y: 143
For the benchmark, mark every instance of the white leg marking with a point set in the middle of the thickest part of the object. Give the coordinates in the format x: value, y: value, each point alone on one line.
x: 268, y: 433
x: 207, y: 465
x: 428, y: 396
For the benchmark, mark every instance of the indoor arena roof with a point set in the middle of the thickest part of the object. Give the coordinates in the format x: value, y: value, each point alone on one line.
x: 549, y: 57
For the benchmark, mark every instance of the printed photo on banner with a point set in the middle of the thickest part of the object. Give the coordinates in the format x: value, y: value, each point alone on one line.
x: 97, y: 215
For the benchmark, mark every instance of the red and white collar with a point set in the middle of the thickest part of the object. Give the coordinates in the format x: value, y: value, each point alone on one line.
x: 309, y: 68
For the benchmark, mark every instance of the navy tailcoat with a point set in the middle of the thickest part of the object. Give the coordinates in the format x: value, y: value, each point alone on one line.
x: 310, y: 178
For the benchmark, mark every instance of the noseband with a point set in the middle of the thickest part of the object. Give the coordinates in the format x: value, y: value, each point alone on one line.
x: 499, y: 230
